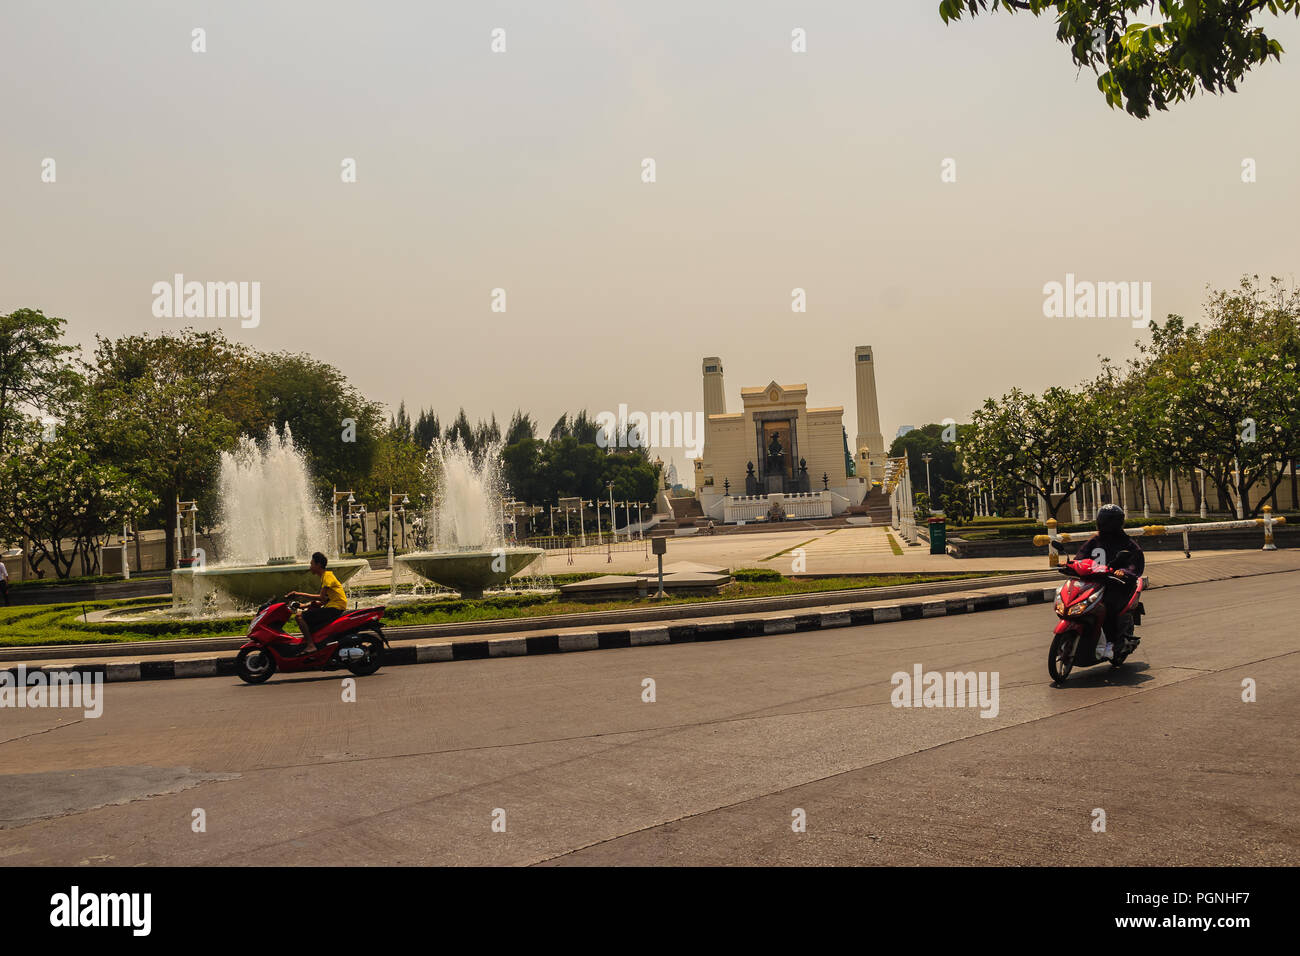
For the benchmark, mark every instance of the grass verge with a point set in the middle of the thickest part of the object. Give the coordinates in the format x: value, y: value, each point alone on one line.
x: 63, y: 623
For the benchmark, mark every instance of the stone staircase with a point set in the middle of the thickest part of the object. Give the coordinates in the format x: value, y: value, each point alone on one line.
x: 874, y: 506
x: 687, y: 512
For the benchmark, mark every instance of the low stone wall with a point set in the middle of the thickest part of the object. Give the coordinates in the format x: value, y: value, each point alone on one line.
x: 103, y: 591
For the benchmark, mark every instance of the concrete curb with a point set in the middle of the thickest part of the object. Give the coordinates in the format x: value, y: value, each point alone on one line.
x: 520, y: 646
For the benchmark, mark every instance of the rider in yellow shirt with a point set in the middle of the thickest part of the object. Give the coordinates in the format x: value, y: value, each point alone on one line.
x: 325, y: 607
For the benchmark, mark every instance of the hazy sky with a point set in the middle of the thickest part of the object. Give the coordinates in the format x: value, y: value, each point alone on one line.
x: 522, y: 171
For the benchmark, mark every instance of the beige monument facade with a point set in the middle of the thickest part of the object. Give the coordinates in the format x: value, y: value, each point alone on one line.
x: 778, y: 450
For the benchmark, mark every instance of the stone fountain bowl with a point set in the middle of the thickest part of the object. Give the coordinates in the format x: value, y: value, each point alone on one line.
x: 253, y: 585
x: 469, y: 572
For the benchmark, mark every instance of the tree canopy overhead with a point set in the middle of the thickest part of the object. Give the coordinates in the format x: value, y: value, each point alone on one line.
x: 1192, y: 45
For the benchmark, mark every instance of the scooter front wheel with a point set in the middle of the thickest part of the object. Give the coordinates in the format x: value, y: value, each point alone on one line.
x: 254, y: 665
x: 1060, y: 656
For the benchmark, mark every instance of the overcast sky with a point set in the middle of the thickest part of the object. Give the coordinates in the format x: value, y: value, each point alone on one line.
x: 522, y: 171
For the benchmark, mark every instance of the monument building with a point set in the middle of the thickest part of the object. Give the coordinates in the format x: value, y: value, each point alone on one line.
x: 778, y: 451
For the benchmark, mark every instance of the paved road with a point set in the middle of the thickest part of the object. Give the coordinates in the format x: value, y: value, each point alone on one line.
x: 741, y: 734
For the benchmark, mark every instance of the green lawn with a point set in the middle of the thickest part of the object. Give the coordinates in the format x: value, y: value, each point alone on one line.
x: 63, y: 624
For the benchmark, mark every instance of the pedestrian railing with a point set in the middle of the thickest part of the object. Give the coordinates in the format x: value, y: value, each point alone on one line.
x: 1053, y: 540
x: 595, y: 543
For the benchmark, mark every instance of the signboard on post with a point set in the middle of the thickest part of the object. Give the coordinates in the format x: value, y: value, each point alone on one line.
x: 659, y: 547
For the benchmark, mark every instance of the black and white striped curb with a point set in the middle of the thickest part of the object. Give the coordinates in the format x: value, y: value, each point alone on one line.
x: 680, y: 633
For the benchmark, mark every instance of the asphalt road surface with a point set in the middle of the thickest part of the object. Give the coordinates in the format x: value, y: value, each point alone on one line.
x: 742, y: 734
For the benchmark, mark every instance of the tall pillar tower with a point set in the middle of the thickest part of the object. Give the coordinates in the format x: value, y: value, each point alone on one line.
x: 715, y: 396
x: 870, y: 443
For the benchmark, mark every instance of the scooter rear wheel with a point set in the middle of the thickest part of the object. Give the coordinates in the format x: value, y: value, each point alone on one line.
x: 1060, y: 657
x: 373, y: 645
x: 254, y: 665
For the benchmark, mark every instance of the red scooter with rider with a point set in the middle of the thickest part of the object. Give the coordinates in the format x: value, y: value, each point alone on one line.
x: 1101, y: 603
x: 331, y: 636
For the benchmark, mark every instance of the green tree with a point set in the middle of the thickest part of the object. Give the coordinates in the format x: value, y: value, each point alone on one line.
x: 1194, y: 45
x: 521, y: 465
x: 944, y: 465
x: 163, y: 407
x: 1044, y: 442
x: 1230, y: 388
x: 634, y: 477
x: 34, y: 369
x: 335, y: 427
x: 63, y: 500
x: 426, y: 429
x: 461, y: 431
x: 521, y: 426
x: 397, y: 465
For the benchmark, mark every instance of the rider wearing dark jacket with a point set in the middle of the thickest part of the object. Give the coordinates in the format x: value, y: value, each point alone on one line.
x: 1108, y: 547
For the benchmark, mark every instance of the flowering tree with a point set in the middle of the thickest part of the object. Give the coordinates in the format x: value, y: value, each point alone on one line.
x: 63, y: 502
x: 1044, y: 442
x: 1230, y: 388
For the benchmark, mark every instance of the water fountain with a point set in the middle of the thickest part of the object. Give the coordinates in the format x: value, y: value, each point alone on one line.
x: 270, y: 527
x: 464, y: 525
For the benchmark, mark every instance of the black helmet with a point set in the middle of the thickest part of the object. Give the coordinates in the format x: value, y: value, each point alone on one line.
x: 1110, y: 519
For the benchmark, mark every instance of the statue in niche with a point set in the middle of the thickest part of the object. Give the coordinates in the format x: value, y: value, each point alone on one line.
x: 775, y: 456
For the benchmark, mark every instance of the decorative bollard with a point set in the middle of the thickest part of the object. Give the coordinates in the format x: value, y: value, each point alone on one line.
x: 1053, y: 557
x: 1268, y: 529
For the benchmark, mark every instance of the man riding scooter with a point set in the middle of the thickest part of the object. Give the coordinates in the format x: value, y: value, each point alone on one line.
x: 1112, y: 546
x: 326, y: 606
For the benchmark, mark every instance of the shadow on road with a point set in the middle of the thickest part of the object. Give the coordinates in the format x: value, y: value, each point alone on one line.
x: 1131, y: 674
x: 282, y: 679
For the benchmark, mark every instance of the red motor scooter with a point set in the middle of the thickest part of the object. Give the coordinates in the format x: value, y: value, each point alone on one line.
x: 353, y: 640
x: 1082, y: 611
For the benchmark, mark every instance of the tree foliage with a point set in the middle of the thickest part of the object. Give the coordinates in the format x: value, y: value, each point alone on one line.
x: 1189, y: 45
x: 35, y: 373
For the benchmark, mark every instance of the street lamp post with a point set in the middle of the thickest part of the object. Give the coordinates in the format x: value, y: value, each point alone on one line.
x: 613, y: 531
x: 1236, y: 479
x: 335, y: 530
x: 183, y: 508
x: 1204, y: 510
x: 928, y: 494
x: 392, y: 558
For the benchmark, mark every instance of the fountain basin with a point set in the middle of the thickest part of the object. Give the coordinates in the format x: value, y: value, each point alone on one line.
x: 253, y: 585
x: 469, y: 572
